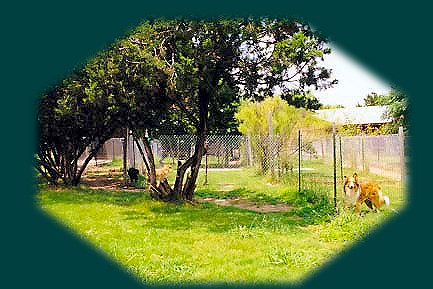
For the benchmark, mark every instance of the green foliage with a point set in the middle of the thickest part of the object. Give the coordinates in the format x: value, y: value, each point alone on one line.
x: 303, y: 100
x: 68, y: 124
x: 123, y: 86
x: 397, y: 110
x: 253, y: 118
x: 177, y: 76
x: 373, y: 99
x: 362, y: 129
x: 314, y: 206
x: 286, y: 119
x: 282, y: 54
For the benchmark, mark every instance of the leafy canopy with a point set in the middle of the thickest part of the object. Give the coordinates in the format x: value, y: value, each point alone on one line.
x: 286, y: 119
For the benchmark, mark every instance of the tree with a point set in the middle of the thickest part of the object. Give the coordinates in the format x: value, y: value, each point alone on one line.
x: 373, y: 99
x: 397, y: 110
x: 189, y: 75
x: 361, y: 129
x: 216, y: 62
x: 110, y: 92
x: 281, y: 56
x: 286, y: 121
x: 305, y: 100
x: 69, y: 124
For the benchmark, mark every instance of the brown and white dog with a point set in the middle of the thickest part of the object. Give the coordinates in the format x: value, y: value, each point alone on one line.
x: 162, y: 173
x: 356, y: 193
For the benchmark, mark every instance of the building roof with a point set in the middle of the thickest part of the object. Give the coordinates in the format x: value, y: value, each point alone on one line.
x: 355, y: 115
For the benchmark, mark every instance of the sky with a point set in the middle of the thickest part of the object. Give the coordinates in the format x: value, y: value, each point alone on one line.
x: 355, y: 81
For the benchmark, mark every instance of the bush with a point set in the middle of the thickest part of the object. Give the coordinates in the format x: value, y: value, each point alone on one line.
x: 314, y: 206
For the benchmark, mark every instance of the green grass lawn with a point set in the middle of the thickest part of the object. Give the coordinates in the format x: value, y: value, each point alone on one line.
x: 184, y: 243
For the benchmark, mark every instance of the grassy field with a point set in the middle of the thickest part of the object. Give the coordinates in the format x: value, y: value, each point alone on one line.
x: 204, y: 242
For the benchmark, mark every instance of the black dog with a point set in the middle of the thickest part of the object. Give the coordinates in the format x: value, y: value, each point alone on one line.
x: 133, y: 174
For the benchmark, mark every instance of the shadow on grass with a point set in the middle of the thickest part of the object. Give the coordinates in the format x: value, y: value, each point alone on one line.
x: 251, y: 195
x: 83, y: 195
x: 214, y: 218
x: 183, y: 216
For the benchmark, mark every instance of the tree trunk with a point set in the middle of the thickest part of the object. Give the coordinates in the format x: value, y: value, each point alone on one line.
x: 77, y: 177
x: 180, y: 191
x: 190, y: 184
x: 161, y: 191
x: 143, y: 156
x: 200, y: 150
x: 155, y: 193
x: 125, y: 153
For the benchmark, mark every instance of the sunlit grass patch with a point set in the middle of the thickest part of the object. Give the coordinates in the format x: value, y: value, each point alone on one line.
x: 204, y: 242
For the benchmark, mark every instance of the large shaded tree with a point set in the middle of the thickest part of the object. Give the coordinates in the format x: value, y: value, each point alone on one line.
x: 69, y: 123
x: 190, y: 75
x: 81, y: 113
x: 216, y: 63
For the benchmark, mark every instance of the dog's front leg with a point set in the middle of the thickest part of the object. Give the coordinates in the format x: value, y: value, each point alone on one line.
x: 358, y: 204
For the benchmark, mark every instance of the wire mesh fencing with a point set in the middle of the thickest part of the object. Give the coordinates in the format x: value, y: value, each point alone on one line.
x: 381, y: 158
x: 112, y: 149
x: 319, y: 163
x: 223, y: 151
x: 308, y: 159
x: 380, y: 155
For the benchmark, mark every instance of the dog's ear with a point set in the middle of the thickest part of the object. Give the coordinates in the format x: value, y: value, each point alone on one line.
x: 355, y: 176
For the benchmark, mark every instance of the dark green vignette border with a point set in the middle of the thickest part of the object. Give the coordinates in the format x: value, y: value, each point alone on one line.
x: 41, y: 43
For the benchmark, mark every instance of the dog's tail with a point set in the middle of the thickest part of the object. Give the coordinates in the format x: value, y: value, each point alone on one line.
x: 386, y: 199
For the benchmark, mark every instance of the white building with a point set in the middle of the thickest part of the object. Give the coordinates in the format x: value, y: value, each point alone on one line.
x: 355, y: 115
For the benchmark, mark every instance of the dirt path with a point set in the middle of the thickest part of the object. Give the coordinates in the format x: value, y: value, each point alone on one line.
x: 105, y: 178
x: 246, y: 204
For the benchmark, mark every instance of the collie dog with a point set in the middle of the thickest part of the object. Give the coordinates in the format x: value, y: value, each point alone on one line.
x: 162, y: 173
x: 356, y: 193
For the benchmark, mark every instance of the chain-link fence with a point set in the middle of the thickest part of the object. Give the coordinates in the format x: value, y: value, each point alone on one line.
x: 223, y: 151
x: 110, y: 150
x: 380, y: 157
x: 308, y: 159
x: 318, y: 160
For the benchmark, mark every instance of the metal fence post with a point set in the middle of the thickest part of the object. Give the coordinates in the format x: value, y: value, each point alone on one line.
x: 206, y: 160
x: 271, y: 143
x: 335, y: 164
x: 341, y: 159
x: 112, y: 149
x: 299, y: 160
x: 402, y: 157
x: 125, y: 155
x: 249, y: 151
x: 133, y: 151
x: 363, y: 160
